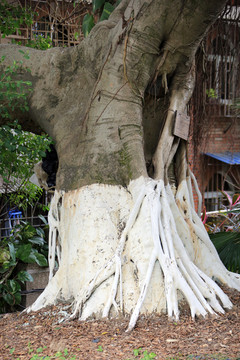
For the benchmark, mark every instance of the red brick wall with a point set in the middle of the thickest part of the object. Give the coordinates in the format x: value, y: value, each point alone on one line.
x: 223, y: 135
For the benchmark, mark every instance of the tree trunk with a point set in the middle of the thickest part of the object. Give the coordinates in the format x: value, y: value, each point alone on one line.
x: 122, y: 219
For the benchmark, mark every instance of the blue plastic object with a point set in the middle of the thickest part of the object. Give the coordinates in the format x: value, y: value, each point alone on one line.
x: 13, y: 214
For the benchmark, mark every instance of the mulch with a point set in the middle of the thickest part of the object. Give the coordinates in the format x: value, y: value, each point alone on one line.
x: 209, y: 338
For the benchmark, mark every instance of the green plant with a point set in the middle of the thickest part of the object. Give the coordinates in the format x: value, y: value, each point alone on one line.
x: 100, y: 349
x: 25, y: 245
x: 224, y: 231
x: 19, y: 150
x: 143, y: 354
x: 40, y: 42
x: 103, y: 9
x: 13, y: 93
x: 60, y: 355
x: 211, y: 93
x: 13, y: 16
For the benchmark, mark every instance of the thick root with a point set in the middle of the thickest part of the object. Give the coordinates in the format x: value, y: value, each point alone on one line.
x: 130, y: 252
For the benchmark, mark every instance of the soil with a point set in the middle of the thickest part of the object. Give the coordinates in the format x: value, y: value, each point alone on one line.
x: 209, y: 338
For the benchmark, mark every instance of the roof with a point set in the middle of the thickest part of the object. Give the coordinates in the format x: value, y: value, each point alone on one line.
x: 226, y: 157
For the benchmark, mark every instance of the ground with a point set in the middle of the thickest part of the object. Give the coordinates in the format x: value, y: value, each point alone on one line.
x: 210, y: 338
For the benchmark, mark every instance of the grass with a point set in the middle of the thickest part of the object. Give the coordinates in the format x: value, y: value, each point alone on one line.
x: 59, y: 355
x: 138, y: 354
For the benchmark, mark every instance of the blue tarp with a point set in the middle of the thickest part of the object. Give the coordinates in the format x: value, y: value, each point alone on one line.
x: 226, y: 157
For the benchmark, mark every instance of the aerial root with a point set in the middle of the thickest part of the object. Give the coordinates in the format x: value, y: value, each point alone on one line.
x: 179, y: 271
x: 109, y: 269
x: 174, y: 225
x: 209, y: 258
x: 50, y: 293
x: 54, y: 233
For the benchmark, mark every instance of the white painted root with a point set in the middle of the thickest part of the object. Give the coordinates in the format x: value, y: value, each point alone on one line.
x: 179, y: 271
x: 163, y: 239
x: 54, y: 236
x: 117, y: 271
x: 192, y: 176
x: 204, y: 255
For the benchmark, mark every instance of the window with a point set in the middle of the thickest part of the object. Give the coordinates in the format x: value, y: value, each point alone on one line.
x: 214, y: 199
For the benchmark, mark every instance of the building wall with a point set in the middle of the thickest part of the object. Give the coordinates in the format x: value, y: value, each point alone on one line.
x: 223, y: 135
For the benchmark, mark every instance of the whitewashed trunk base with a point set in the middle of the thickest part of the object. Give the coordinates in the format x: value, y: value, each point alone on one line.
x: 132, y: 251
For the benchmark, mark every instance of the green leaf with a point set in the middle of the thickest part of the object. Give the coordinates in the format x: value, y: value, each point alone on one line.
x: 228, y: 248
x: 4, y: 255
x: 97, y: 4
x: 100, y: 349
x: 236, y: 199
x: 40, y: 232
x: 40, y: 349
x: 107, y: 10
x: 44, y: 220
x: 39, y: 259
x: 88, y: 24
x: 12, y: 251
x: 9, y: 298
x: 37, y: 240
x: 15, y: 286
x: 17, y: 298
x: 23, y: 253
x: 136, y: 352
x: 76, y: 35
x: 24, y: 276
x: 117, y: 3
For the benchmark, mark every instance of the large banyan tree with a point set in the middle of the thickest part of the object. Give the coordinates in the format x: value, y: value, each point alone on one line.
x: 122, y: 220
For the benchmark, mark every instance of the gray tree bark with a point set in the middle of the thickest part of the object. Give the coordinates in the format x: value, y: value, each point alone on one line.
x: 92, y: 98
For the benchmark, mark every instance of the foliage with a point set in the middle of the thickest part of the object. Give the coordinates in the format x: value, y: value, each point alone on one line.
x: 40, y: 42
x: 60, y: 355
x: 13, y: 93
x: 224, y: 231
x: 88, y: 24
x: 101, y: 9
x: 65, y: 354
x: 228, y: 248
x: 143, y: 354
x: 100, y: 349
x: 211, y: 93
x: 139, y: 354
x: 12, y: 17
x: 146, y: 355
x: 19, y: 151
x: 26, y: 244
